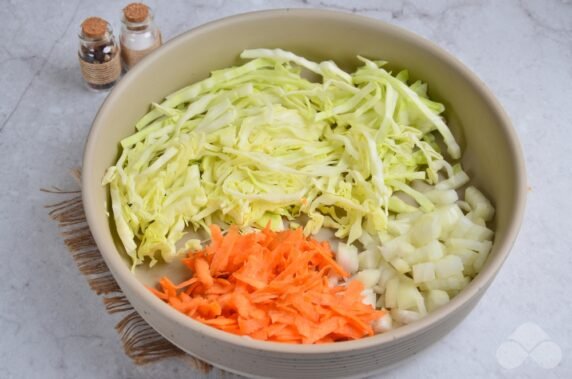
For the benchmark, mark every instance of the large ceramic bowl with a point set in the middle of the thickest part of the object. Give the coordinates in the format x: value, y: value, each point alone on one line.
x: 492, y: 157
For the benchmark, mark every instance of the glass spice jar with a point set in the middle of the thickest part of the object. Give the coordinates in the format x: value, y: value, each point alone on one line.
x: 139, y: 35
x: 99, y: 56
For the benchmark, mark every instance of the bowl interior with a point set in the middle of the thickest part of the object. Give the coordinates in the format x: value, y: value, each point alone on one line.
x: 491, y: 154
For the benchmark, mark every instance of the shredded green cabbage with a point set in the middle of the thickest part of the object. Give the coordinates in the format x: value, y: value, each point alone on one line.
x: 259, y: 143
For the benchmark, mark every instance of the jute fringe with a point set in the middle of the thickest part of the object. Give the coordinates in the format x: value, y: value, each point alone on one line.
x: 140, y: 341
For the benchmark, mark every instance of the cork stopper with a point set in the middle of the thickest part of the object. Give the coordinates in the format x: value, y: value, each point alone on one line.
x: 136, y: 12
x: 94, y: 27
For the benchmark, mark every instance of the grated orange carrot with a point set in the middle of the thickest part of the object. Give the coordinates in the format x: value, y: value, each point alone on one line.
x: 270, y: 286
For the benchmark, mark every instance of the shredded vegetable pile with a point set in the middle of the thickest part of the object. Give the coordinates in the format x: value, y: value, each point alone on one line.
x: 357, y: 153
x: 271, y: 286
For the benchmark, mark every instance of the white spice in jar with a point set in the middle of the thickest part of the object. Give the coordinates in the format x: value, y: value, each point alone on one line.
x: 139, y: 35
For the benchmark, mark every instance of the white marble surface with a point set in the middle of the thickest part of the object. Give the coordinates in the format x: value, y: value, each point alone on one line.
x: 52, y: 326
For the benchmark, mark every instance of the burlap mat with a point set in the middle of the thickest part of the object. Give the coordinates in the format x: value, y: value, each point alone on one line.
x: 140, y: 341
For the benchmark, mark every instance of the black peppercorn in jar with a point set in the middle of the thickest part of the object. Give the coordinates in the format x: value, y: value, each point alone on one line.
x: 99, y: 55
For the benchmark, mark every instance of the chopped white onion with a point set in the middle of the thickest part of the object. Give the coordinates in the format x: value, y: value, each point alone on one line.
x: 369, y: 258
x: 425, y: 229
x: 426, y: 257
x: 369, y: 297
x: 435, y: 299
x: 423, y: 272
x: 347, y: 257
x: 479, y: 203
x: 448, y: 266
x: 396, y: 248
x: 400, y: 265
x: 391, y: 292
x: 369, y: 277
x: 404, y: 316
x: 383, y: 324
x: 442, y: 197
